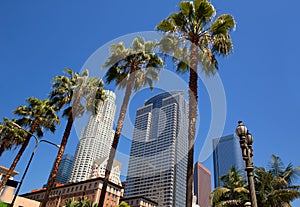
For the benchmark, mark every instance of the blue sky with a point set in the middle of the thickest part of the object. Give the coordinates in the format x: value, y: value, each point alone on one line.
x: 39, y: 39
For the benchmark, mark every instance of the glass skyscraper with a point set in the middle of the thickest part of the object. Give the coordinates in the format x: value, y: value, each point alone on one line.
x: 227, y: 153
x: 64, y: 169
x: 96, y: 139
x: 158, y: 158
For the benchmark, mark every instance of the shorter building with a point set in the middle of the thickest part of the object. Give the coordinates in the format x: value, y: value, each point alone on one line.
x: 227, y: 153
x: 99, y: 166
x: 7, y: 196
x: 3, y: 171
x: 89, y: 188
x: 139, y: 201
x: 202, y: 185
x: 64, y: 169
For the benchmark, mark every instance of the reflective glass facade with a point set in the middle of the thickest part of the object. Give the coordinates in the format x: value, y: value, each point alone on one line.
x: 158, y: 158
x: 227, y: 153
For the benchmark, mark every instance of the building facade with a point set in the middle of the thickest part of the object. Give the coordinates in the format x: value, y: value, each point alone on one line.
x: 227, y: 153
x: 90, y: 189
x: 158, y: 157
x: 64, y: 169
x: 202, y: 184
x: 3, y: 171
x: 96, y: 139
x: 139, y: 201
x: 99, y: 166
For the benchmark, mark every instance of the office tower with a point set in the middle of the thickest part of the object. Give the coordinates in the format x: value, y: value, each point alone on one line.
x: 158, y: 157
x: 227, y: 153
x: 99, y: 166
x: 202, y: 184
x: 64, y: 169
x: 95, y: 140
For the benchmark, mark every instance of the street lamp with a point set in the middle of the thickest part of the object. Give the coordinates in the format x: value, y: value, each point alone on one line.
x: 37, y: 142
x: 246, y: 140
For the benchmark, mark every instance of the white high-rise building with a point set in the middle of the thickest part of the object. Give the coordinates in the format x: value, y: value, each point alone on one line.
x: 158, y: 157
x: 96, y: 139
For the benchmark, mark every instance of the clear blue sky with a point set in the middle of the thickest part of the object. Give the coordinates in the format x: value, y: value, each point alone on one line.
x: 39, y: 39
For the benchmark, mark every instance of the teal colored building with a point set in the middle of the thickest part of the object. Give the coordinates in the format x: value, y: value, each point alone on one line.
x: 227, y: 153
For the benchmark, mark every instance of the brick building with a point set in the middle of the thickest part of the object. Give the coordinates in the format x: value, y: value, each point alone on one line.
x: 89, y: 188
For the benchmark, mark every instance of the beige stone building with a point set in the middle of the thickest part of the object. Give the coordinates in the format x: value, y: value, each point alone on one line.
x: 3, y: 171
x: 89, y: 188
x: 7, y: 194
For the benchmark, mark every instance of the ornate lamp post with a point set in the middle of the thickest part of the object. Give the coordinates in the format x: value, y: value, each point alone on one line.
x: 37, y: 142
x: 246, y: 140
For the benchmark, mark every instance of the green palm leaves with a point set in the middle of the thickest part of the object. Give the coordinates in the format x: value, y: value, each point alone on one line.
x: 138, y: 62
x: 123, y: 204
x: 11, y: 136
x: 275, y: 186
x: 38, y: 114
x: 80, y: 202
x: 71, y: 89
x: 233, y: 191
x: 195, y: 23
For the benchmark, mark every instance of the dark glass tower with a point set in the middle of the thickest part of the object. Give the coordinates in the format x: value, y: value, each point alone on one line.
x: 64, y: 169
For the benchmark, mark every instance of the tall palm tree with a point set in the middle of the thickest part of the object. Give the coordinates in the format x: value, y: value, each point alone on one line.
x: 11, y: 136
x: 232, y: 193
x: 70, y: 92
x: 195, y: 24
x: 275, y: 186
x: 130, y: 68
x: 37, y: 116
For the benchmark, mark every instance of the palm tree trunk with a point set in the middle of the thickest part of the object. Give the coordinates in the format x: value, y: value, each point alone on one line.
x: 60, y: 153
x: 19, y: 155
x: 116, y: 140
x: 193, y: 100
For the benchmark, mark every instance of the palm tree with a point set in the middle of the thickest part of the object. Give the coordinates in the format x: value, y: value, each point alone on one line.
x: 71, y: 203
x: 91, y: 204
x: 81, y: 202
x: 37, y: 116
x: 195, y: 24
x: 123, y: 204
x: 130, y: 68
x: 70, y: 91
x: 232, y: 193
x: 11, y: 136
x: 275, y: 185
